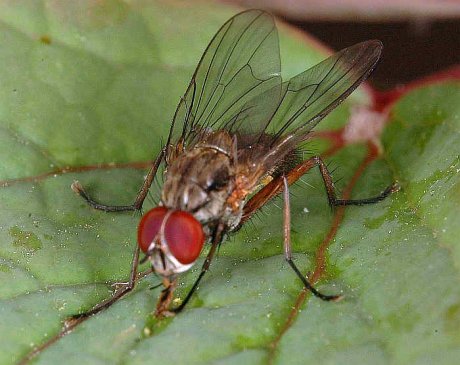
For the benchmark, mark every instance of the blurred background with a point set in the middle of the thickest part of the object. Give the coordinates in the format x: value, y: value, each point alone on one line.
x: 421, y: 37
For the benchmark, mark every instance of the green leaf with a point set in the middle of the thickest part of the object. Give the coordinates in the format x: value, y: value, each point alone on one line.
x: 89, y: 88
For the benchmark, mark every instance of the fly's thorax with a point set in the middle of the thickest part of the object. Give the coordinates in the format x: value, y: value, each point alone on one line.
x: 199, y: 181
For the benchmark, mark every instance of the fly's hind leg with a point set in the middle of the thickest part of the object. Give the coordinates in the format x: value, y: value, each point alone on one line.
x: 330, y: 189
x: 275, y: 186
x: 137, y: 205
x: 280, y: 183
x: 288, y: 251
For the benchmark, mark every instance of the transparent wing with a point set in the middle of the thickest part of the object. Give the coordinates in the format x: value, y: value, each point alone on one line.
x: 241, y: 61
x: 310, y: 96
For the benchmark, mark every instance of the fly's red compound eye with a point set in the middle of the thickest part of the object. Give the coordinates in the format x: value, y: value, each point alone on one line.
x: 150, y: 226
x: 182, y: 233
x: 184, y: 236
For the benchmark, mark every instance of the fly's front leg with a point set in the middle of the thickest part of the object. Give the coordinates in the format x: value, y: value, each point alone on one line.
x: 121, y: 290
x: 216, y: 240
x: 288, y: 251
x: 74, y: 321
x: 137, y: 205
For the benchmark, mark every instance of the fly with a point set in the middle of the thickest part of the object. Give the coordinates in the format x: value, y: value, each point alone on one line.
x: 232, y: 147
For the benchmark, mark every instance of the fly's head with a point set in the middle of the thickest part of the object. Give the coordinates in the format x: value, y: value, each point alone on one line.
x: 171, y: 239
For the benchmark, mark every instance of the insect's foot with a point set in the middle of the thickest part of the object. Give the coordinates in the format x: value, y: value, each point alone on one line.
x: 78, y: 316
x: 393, y: 188
x: 329, y: 298
x: 165, y: 314
x: 163, y: 311
x: 119, y: 286
x: 336, y: 298
x: 77, y: 187
x: 72, y: 321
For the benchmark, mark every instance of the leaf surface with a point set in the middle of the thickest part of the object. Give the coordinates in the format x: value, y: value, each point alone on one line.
x: 87, y: 90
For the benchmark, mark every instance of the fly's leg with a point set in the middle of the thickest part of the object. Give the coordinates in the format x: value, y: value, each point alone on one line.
x: 288, y: 251
x: 273, y: 188
x: 330, y: 189
x: 165, y: 298
x: 137, y: 205
x: 121, y: 291
x: 74, y: 321
x: 123, y: 288
x: 276, y: 185
x: 216, y: 240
